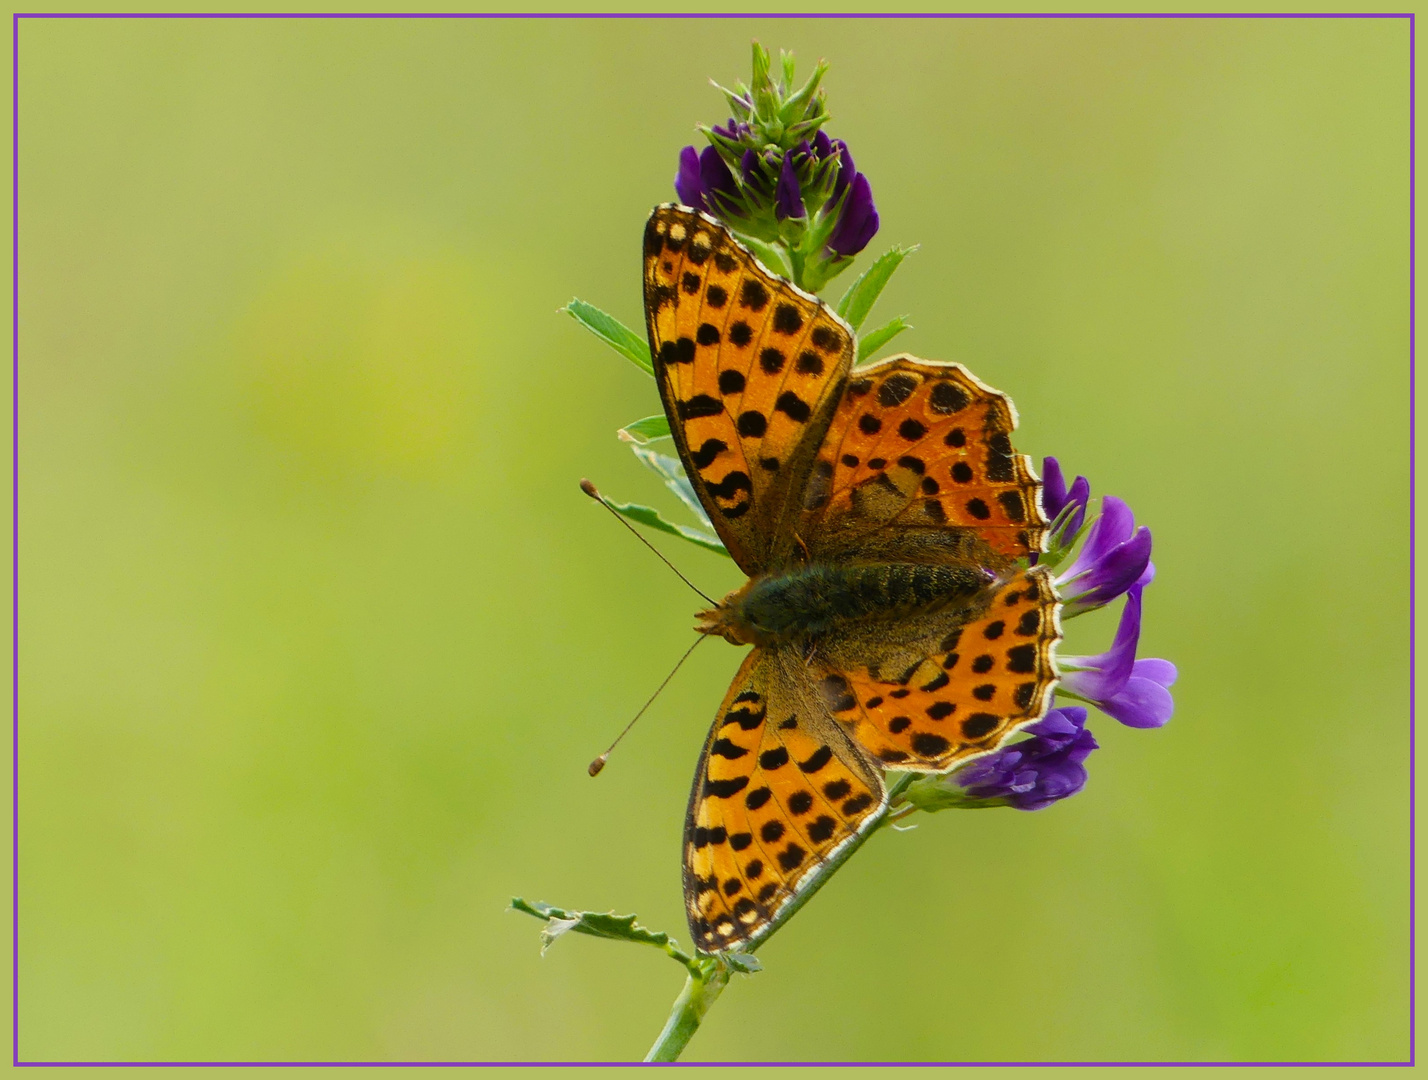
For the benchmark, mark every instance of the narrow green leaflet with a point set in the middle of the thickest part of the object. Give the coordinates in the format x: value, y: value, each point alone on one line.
x: 612, y: 332
x: 648, y: 515
x: 647, y: 430
x: 874, y: 340
x: 772, y: 256
x: 671, y: 471
x: 602, y: 924
x: 864, y: 293
x: 934, y: 793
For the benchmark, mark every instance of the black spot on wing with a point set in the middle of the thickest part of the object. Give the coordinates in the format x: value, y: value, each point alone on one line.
x: 731, y: 382
x: 699, y: 405
x: 751, y: 424
x: 896, y: 389
x: 979, y: 724
x: 790, y: 403
x: 753, y: 296
x: 705, y: 455
x: 1021, y: 659
x: 722, y: 789
x: 999, y: 458
x: 731, y: 485
x: 787, y: 320
x: 929, y: 745
x: 773, y: 759
x: 809, y: 363
x: 826, y: 339
x: 821, y: 829
x: 816, y: 760
x: 947, y: 398
x: 857, y: 804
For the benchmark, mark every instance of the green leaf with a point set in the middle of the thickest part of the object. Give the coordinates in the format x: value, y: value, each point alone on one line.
x: 602, y: 924
x: 645, y: 431
x: 864, y: 293
x: 648, y: 515
x: 874, y: 340
x: 612, y: 332
x: 747, y: 963
x: 934, y: 793
x: 773, y: 256
x: 671, y: 471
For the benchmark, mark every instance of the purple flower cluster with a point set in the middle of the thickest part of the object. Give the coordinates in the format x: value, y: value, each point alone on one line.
x: 1037, y: 772
x: 705, y: 182
x: 1135, y: 692
x: 1114, y: 560
x: 817, y: 175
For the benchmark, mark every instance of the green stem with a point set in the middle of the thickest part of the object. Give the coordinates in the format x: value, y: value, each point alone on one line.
x: 689, y: 1009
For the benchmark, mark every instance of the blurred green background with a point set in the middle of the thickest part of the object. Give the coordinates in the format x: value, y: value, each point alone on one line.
x: 318, y: 633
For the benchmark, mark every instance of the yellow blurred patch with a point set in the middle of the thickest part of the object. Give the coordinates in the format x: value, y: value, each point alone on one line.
x: 361, y: 364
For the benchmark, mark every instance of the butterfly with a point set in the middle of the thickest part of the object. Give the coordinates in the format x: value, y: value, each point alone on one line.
x: 888, y: 531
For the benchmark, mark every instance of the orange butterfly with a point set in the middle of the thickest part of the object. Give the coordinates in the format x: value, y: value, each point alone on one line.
x: 887, y: 529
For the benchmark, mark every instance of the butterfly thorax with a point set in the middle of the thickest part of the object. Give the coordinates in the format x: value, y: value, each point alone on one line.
x: 805, y: 603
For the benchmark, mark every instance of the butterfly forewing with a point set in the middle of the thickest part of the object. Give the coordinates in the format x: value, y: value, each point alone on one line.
x: 920, y: 446
x: 778, y: 790
x: 972, y: 680
x: 750, y: 369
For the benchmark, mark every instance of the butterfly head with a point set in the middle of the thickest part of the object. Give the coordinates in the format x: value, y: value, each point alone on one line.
x: 727, y: 619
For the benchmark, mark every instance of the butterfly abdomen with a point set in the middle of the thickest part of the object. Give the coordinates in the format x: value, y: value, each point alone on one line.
x: 813, y: 600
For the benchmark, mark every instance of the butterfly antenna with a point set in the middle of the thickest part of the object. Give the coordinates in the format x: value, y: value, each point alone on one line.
x: 599, y: 762
x: 590, y: 489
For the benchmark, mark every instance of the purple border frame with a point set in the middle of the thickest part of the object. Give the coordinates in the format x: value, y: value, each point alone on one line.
x: 14, y: 520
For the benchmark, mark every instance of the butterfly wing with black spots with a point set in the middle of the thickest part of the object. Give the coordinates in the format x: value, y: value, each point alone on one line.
x: 750, y: 369
x: 780, y: 788
x: 918, y: 448
x: 947, y: 687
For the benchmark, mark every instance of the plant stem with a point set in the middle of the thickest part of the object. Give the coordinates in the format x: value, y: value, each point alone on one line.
x: 689, y: 1009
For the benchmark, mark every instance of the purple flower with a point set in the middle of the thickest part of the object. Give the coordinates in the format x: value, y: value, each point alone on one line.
x: 1135, y: 692
x: 1115, y: 557
x: 846, y: 169
x: 858, y: 219
x: 704, y: 181
x: 1055, y: 498
x: 734, y: 131
x: 822, y: 145
x: 788, y: 198
x: 688, y: 183
x: 1033, y: 774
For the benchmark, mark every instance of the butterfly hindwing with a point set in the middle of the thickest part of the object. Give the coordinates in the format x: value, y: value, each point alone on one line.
x: 750, y: 369
x: 918, y: 446
x: 778, y: 790
x: 973, y: 679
